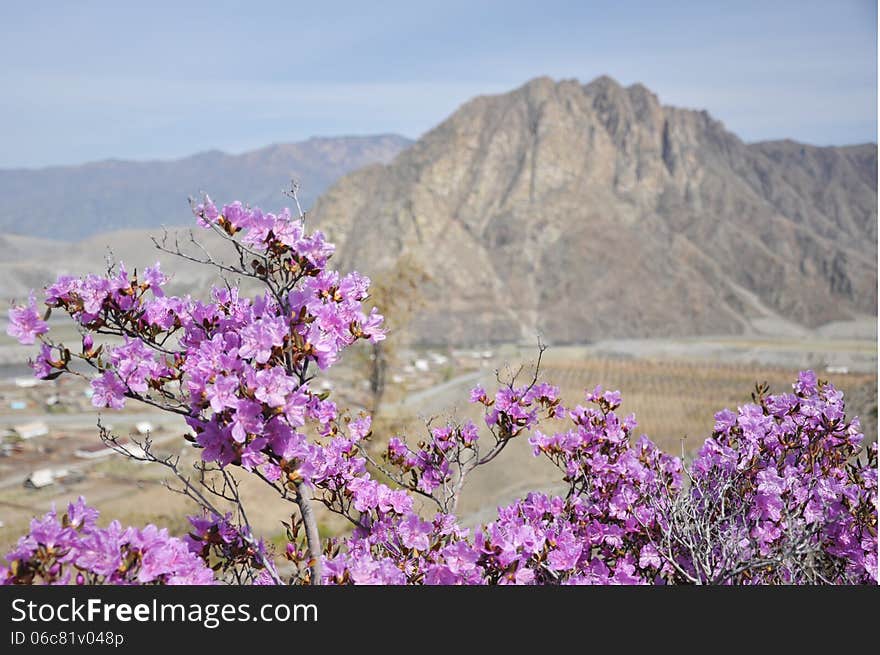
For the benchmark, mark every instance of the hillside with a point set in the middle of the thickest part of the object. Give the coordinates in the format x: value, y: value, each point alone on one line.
x: 73, y: 202
x: 582, y: 211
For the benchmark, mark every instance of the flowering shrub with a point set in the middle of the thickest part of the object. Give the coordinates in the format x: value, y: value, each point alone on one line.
x: 776, y: 494
x: 780, y: 495
x: 229, y: 549
x: 74, y: 550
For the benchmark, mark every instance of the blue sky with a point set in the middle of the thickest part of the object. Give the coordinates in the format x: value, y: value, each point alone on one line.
x: 93, y: 80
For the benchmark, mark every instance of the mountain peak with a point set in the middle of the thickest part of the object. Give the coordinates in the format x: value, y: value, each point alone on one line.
x: 657, y: 219
x: 640, y: 93
x: 603, y: 82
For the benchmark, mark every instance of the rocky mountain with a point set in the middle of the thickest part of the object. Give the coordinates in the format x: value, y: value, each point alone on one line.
x: 73, y: 202
x: 582, y: 211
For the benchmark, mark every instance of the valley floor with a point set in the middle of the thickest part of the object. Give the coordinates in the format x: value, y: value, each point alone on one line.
x: 674, y: 386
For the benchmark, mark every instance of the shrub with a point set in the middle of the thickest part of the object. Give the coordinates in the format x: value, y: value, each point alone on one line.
x: 777, y: 494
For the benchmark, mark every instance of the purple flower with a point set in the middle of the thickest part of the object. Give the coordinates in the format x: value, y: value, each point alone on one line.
x: 396, y: 448
x: 315, y: 249
x: 566, y: 553
x: 247, y: 419
x: 156, y: 279
x: 236, y: 214
x: 240, y: 370
x: 287, y: 230
x: 42, y: 365
x: 806, y: 384
x: 109, y: 391
x: 285, y: 442
x: 625, y: 574
x: 359, y: 428
x: 371, y: 326
x: 217, y: 443
x: 135, y: 364
x: 478, y: 394
x: 469, y: 433
x: 222, y: 393
x: 367, y: 571
x: 414, y: 532
x: 259, y: 227
x: 101, y: 550
x: 25, y: 323
x: 365, y: 493
x: 252, y: 455
x: 81, y: 515
x: 649, y: 557
x: 55, y: 550
x: 163, y: 312
x: 61, y: 290
x: 206, y: 212
x: 94, y: 291
x: 612, y: 398
x: 273, y: 385
x: 260, y: 337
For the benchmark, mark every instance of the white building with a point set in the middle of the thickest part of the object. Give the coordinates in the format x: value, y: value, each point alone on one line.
x: 31, y: 430
x: 40, y: 478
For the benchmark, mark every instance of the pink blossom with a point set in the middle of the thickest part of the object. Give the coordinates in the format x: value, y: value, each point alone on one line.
x: 25, y: 323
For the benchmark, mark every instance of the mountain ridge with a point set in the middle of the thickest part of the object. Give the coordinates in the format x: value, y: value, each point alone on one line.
x: 74, y: 202
x: 575, y: 211
x: 522, y: 184
x: 210, y: 152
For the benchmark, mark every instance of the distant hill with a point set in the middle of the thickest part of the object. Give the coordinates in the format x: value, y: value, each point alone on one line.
x: 74, y: 202
x: 577, y: 211
x: 583, y: 211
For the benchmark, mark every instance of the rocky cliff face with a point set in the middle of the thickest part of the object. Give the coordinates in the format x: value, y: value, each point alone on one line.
x: 585, y: 211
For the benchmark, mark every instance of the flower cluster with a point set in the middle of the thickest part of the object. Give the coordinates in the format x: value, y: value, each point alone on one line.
x: 229, y: 547
x: 543, y: 540
x: 601, y: 531
x: 74, y: 550
x: 390, y: 547
x: 777, y: 494
x: 266, y: 231
x: 621, y: 521
x: 797, y: 499
x: 538, y: 540
x: 514, y: 410
x: 430, y: 465
x: 236, y: 368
